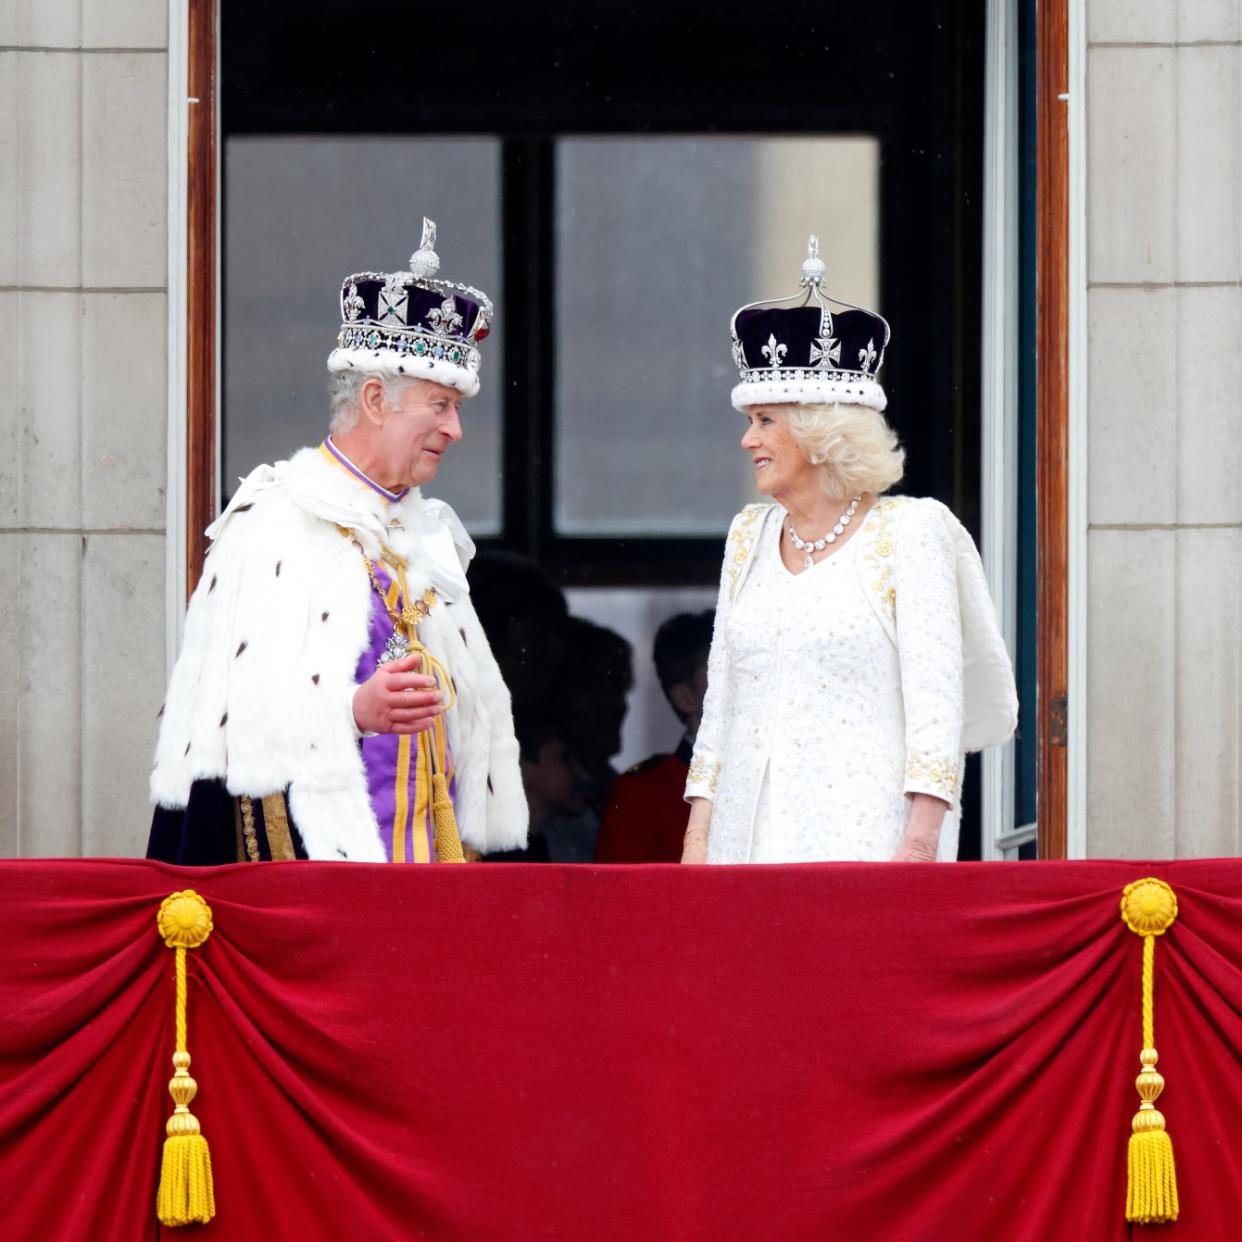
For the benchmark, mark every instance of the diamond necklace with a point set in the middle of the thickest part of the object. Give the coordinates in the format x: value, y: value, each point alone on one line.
x: 811, y: 546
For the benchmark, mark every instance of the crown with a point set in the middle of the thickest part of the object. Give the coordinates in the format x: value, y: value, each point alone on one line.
x: 411, y: 323
x: 806, y: 354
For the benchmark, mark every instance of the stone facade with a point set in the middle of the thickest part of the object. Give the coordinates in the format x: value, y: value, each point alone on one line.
x: 1164, y: 206
x: 83, y: 332
x: 83, y: 347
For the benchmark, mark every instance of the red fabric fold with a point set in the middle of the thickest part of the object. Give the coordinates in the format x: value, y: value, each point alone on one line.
x: 870, y: 1052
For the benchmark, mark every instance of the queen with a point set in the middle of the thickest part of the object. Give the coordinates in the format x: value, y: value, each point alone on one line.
x: 856, y: 655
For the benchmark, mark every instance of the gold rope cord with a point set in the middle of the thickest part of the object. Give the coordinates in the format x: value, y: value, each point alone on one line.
x: 1149, y: 908
x: 186, y: 1193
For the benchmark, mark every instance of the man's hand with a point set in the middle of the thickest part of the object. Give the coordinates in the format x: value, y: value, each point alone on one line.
x: 397, y: 698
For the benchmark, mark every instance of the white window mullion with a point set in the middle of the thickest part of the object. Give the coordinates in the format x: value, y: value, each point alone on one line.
x: 999, y: 404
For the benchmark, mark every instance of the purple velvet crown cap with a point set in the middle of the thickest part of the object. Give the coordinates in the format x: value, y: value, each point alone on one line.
x: 412, y: 323
x: 808, y: 354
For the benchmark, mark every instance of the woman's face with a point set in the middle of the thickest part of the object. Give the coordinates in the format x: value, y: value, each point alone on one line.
x: 779, y: 463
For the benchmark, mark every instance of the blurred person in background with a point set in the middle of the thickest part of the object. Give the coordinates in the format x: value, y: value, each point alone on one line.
x: 551, y: 780
x: 645, y: 816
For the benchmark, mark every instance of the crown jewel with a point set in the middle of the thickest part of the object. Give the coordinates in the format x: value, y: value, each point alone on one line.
x: 413, y: 323
x: 798, y: 350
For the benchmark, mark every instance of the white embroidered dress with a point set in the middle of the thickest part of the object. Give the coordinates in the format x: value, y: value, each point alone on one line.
x: 828, y: 702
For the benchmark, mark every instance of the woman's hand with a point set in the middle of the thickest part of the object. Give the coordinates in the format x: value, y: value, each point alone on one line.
x: 921, y: 839
x: 694, y: 848
x: 396, y: 698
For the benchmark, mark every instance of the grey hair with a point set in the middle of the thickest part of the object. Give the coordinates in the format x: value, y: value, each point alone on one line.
x: 853, y: 446
x: 345, y: 394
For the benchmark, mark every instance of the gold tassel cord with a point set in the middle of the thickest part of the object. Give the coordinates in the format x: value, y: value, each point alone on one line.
x: 448, y: 839
x: 186, y: 1194
x: 448, y: 843
x: 1148, y: 908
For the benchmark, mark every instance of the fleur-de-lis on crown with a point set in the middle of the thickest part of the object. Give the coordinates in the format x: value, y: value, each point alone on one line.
x: 867, y: 356
x: 773, y: 351
x: 354, y: 304
x: 445, y: 317
x: 739, y: 355
x: 827, y: 349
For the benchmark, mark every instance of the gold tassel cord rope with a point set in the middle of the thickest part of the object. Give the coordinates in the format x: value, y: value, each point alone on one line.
x: 186, y: 1193
x: 448, y: 845
x: 1148, y: 908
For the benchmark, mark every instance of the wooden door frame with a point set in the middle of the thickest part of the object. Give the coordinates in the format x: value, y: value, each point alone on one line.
x: 202, y: 265
x: 1052, y: 290
x: 201, y: 486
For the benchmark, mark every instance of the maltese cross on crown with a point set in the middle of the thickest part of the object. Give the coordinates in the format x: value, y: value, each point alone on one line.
x: 826, y: 351
x: 393, y: 300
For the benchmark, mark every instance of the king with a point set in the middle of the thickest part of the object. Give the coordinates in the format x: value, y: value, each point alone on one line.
x: 335, y: 696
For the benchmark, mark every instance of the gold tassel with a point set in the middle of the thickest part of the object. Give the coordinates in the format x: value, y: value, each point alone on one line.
x: 1148, y: 908
x: 448, y: 840
x: 186, y: 1194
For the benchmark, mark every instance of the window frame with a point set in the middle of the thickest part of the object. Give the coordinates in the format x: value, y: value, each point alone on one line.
x: 193, y: 484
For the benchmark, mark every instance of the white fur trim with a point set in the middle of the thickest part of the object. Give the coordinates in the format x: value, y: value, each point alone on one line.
x: 849, y: 390
x: 393, y: 363
x: 261, y: 692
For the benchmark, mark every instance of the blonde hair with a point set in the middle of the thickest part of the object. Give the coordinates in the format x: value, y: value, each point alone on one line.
x: 853, y: 446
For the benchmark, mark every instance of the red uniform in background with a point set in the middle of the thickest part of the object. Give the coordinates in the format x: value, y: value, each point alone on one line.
x: 645, y: 812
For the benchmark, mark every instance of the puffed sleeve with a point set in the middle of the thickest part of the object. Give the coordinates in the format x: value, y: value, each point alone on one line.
x: 929, y: 648
x: 710, y: 741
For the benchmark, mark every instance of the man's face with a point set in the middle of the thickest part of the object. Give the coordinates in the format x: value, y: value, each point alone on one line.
x: 415, y: 433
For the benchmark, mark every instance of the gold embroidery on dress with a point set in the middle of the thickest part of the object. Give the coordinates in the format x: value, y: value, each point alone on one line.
x: 932, y: 769
x: 701, y: 772
x: 879, y: 553
x: 741, y: 540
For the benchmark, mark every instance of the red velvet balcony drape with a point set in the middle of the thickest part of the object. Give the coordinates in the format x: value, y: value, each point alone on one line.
x: 848, y: 1052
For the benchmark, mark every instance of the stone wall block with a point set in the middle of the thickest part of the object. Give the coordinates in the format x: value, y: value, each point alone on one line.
x: 10, y: 682
x: 10, y: 414
x: 49, y: 693
x: 1131, y: 21
x: 1209, y: 163
x: 46, y: 175
x: 48, y: 424
x: 1209, y: 693
x: 10, y: 127
x: 43, y: 23
x: 1209, y: 404
x: 1131, y: 196
x: 125, y: 23
x: 1132, y: 431
x: 124, y: 170
x: 1131, y: 694
x: 123, y: 655
x: 124, y: 411
x: 1200, y: 20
